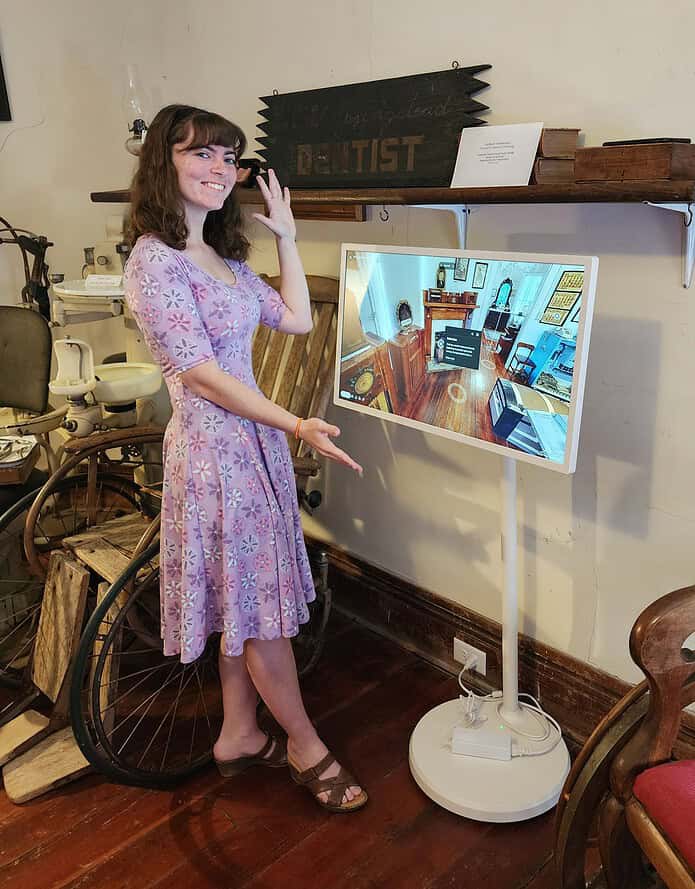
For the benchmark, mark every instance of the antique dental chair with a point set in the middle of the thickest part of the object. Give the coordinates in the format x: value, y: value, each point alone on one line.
x: 629, y: 773
x: 25, y: 363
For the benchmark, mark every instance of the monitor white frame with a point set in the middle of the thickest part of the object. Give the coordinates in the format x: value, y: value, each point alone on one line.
x: 590, y: 264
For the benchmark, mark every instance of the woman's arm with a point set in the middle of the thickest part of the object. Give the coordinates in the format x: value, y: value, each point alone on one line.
x: 209, y: 381
x: 293, y: 286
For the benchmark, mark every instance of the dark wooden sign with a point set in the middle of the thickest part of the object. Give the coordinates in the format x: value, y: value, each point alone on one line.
x: 396, y: 132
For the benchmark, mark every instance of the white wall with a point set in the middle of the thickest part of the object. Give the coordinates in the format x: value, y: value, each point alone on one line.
x: 596, y: 547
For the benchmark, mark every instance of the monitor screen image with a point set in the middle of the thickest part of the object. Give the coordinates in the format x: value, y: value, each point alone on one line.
x: 488, y: 348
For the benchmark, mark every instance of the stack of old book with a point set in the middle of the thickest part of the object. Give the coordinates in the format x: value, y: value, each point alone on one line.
x: 555, y: 161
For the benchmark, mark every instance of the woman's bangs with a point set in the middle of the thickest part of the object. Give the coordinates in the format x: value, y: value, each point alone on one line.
x: 211, y: 129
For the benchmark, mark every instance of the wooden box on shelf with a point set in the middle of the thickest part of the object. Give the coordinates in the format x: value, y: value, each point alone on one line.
x: 618, y: 163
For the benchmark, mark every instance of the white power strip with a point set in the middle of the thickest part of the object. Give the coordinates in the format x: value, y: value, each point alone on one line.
x: 488, y: 743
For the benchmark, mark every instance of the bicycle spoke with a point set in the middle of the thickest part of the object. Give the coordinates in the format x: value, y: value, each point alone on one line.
x: 174, y: 705
x: 150, y: 702
x: 149, y: 670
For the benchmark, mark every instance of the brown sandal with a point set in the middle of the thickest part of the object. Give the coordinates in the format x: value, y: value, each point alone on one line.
x: 335, y: 786
x: 272, y: 757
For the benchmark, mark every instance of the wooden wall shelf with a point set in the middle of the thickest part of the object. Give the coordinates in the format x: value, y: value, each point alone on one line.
x: 585, y: 192
x: 350, y: 203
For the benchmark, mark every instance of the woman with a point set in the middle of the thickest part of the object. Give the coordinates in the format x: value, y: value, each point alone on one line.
x: 232, y: 558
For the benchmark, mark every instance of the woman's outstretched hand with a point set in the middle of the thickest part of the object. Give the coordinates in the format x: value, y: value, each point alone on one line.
x: 277, y: 204
x: 318, y: 434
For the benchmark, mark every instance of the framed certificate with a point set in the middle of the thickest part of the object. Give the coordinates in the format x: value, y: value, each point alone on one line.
x: 571, y: 281
x: 562, y: 299
x: 554, y: 316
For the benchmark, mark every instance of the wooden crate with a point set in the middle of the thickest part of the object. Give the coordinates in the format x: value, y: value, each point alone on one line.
x: 618, y: 163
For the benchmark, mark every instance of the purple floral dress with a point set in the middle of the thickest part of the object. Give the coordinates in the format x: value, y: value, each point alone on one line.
x: 233, y: 558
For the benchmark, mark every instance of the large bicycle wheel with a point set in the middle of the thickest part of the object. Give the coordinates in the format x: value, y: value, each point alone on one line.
x: 60, y: 515
x: 138, y: 716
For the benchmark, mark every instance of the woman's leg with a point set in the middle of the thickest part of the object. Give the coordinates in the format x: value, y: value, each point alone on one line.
x: 274, y: 673
x: 240, y: 734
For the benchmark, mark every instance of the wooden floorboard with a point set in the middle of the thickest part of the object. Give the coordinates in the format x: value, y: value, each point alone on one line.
x: 261, y: 831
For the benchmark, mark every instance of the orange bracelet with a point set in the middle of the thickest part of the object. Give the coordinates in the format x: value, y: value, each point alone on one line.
x: 296, y: 428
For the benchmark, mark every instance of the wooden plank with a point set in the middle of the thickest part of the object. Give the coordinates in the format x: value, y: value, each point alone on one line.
x: 323, y: 389
x: 563, y: 193
x: 52, y: 763
x: 288, y: 381
x: 124, y: 531
x: 62, y: 609
x: 21, y: 733
x: 260, y: 344
x: 107, y: 549
x: 328, y: 212
x: 273, y: 357
x: 103, y: 557
x: 302, y: 395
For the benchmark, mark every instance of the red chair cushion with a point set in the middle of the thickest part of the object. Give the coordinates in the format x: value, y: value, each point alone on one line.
x: 667, y: 792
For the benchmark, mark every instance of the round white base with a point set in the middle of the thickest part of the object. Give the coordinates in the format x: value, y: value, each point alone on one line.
x: 484, y: 789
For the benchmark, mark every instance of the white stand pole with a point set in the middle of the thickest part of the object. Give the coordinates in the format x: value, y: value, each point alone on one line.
x: 510, y: 607
x: 477, y: 787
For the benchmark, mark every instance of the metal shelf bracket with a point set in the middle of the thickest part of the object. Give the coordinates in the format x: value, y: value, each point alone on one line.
x: 461, y: 213
x: 688, y: 235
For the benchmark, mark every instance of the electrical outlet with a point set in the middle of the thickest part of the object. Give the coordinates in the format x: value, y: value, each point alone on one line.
x: 463, y: 652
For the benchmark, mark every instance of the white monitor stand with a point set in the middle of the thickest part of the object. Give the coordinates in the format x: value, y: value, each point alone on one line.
x: 488, y: 789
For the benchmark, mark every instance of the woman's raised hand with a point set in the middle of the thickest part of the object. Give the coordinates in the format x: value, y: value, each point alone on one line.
x: 317, y: 434
x: 277, y: 203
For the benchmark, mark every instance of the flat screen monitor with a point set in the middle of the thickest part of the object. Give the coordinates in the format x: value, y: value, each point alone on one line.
x: 487, y: 348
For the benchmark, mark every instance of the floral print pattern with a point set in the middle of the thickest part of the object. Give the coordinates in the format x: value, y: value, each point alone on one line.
x: 232, y: 557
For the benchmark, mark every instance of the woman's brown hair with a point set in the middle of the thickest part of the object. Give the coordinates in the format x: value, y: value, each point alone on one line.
x: 156, y: 205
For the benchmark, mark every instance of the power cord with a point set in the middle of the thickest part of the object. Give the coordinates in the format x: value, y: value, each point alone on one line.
x: 471, y: 718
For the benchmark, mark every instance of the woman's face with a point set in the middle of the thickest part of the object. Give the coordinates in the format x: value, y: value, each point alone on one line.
x: 206, y: 174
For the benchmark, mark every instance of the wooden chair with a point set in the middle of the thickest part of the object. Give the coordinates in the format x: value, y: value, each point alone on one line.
x: 297, y: 371
x: 520, y: 365
x: 645, y: 798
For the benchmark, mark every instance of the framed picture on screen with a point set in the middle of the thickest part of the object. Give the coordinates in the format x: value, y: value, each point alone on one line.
x: 461, y: 269
x: 479, y: 275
